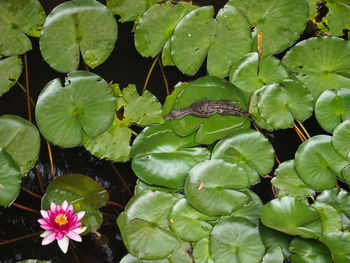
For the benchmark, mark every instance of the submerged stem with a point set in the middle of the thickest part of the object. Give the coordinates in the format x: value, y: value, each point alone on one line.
x: 164, y: 77
x: 115, y: 204
x: 51, y: 161
x: 19, y: 238
x: 149, y: 74
x: 27, y: 88
x: 39, y: 179
x: 300, y: 134
x: 121, y: 178
x: 26, y: 208
x: 302, y: 126
x: 25, y: 91
x: 30, y: 192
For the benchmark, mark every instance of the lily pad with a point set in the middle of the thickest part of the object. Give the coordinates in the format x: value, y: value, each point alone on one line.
x: 318, y: 63
x: 255, y: 113
x: 215, y: 126
x: 330, y: 217
x: 236, y: 240
x: 83, y: 193
x: 201, y: 252
x: 280, y: 104
x: 290, y: 216
x: 216, y: 195
x: 338, y: 198
x: 339, y: 244
x: 273, y: 255
x: 145, y: 227
x: 332, y: 107
x: 188, y: 223
x: 19, y: 18
x: 289, y: 182
x: 86, y: 105
x: 141, y: 187
x: 249, y: 149
x: 113, y: 145
x: 280, y: 26
x: 10, y: 70
x: 341, y: 139
x: 309, y: 251
x: 244, y: 73
x: 318, y: 164
x: 161, y: 157
x: 82, y: 25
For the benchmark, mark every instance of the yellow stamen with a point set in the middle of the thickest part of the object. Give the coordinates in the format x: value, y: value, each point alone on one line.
x: 61, y: 219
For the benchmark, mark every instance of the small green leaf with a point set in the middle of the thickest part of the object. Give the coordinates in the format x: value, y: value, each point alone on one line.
x: 273, y: 255
x: 338, y: 198
x: 341, y: 139
x: 339, y: 244
x: 10, y: 70
x: 201, y: 252
x: 309, y: 251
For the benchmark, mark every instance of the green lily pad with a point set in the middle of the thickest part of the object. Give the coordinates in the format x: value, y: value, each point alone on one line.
x: 280, y: 104
x: 201, y: 252
x: 82, y: 25
x: 145, y: 227
x: 213, y: 127
x: 167, y: 59
x: 273, y: 255
x: 141, y: 187
x: 156, y: 26
x: 338, y: 198
x: 170, y: 99
x: 332, y: 107
x: 244, y: 73
x: 255, y: 113
x: 339, y: 244
x: 83, y: 193
x: 318, y: 63
x: 224, y: 39
x: 318, y: 164
x: 20, y: 140
x: 289, y: 182
x: 236, y: 240
x: 130, y: 10
x: 249, y: 149
x: 113, y: 145
x: 130, y: 259
x: 341, y: 139
x: 216, y: 195
x: 309, y: 251
x: 161, y: 157
x: 10, y: 70
x: 86, y: 105
x: 290, y: 216
x: 19, y: 18
x: 280, y: 26
x: 330, y: 217
x: 188, y: 223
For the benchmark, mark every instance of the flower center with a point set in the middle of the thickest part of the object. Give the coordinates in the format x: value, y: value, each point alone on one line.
x: 61, y: 219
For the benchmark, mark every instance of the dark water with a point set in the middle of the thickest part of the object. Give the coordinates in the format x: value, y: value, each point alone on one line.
x: 124, y: 66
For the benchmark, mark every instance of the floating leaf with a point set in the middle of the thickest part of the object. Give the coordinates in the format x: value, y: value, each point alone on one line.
x: 83, y: 193
x: 339, y: 244
x: 141, y: 187
x: 215, y: 126
x: 216, y: 195
x: 244, y: 73
x: 144, y: 225
x: 290, y: 216
x: 332, y: 107
x: 318, y: 164
x: 330, y: 217
x: 86, y: 105
x: 236, y: 240
x: 289, y: 182
x: 255, y: 113
x: 309, y: 251
x: 341, y: 139
x: 130, y: 259
x: 156, y: 26
x: 113, y: 145
x: 318, y: 63
x: 161, y: 157
x: 167, y: 59
x: 201, y: 252
x: 82, y: 25
x: 273, y: 255
x: 280, y: 104
x: 280, y: 26
x: 19, y: 18
x: 249, y: 149
x: 10, y: 70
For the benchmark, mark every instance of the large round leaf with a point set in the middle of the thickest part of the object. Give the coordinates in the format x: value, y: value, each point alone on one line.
x: 156, y: 26
x: 339, y: 244
x: 289, y: 216
x: 249, y: 149
x: 236, y: 240
x: 318, y: 63
x: 85, y: 105
x: 280, y: 104
x: 332, y: 107
x: 201, y: 252
x: 341, y: 139
x: 188, y: 223
x: 309, y: 251
x: 161, y: 157
x: 280, y: 26
x: 144, y: 225
x: 215, y: 126
x: 244, y: 73
x: 216, y: 195
x: 318, y: 164
x: 10, y: 70
x: 18, y: 18
x: 20, y: 140
x: 83, y: 193
x: 82, y: 25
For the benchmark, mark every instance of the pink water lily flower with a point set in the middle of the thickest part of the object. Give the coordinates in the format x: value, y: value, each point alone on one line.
x: 60, y: 223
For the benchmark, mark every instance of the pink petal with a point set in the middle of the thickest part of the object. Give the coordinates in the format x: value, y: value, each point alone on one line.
x: 48, y: 227
x: 69, y: 210
x: 48, y: 239
x: 44, y: 214
x: 65, y: 205
x: 63, y: 244
x: 58, y: 209
x: 53, y: 207
x: 42, y: 221
x: 44, y: 234
x: 59, y: 235
x: 74, y: 226
x: 80, y: 230
x: 74, y: 236
x: 80, y: 215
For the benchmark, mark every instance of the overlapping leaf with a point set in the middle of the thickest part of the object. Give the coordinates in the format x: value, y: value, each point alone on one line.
x: 10, y: 70
x: 341, y: 139
x: 309, y: 251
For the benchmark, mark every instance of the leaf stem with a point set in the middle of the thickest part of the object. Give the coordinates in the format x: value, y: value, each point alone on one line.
x: 26, y: 208
x: 132, y: 131
x: 164, y: 77
x: 51, y: 161
x: 19, y: 238
x: 30, y: 192
x: 25, y: 91
x: 121, y: 178
x: 87, y: 68
x: 302, y: 126
x: 300, y: 134
x: 149, y: 74
x: 27, y: 87
x: 39, y: 179
x: 115, y: 204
